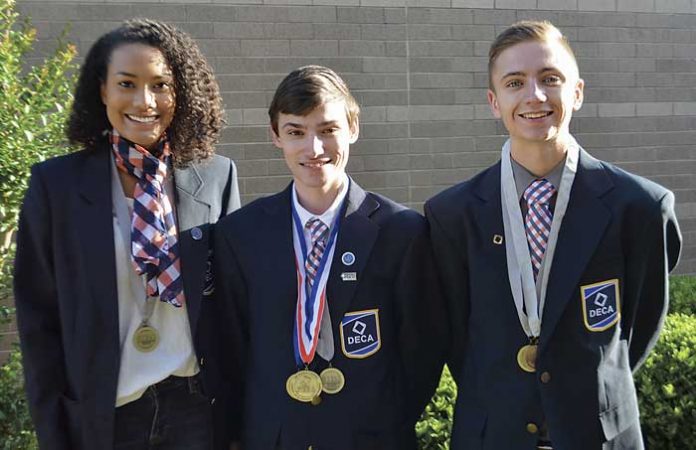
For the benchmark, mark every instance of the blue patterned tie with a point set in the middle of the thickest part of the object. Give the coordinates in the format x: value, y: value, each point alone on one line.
x: 537, y: 222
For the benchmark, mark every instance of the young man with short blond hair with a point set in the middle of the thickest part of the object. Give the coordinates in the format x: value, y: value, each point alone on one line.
x: 554, y: 266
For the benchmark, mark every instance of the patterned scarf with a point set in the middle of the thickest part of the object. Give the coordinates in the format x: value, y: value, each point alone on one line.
x: 154, y: 245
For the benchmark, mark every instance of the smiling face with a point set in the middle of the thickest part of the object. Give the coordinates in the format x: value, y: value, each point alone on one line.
x: 316, y: 148
x: 138, y: 93
x: 536, y: 89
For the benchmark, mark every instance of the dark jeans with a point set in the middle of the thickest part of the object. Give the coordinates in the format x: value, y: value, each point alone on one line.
x: 171, y: 415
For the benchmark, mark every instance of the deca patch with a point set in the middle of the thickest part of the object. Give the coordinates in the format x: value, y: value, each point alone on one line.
x: 600, y: 304
x: 360, y: 333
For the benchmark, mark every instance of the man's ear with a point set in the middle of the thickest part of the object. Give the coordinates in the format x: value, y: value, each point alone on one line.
x: 354, y: 131
x: 274, y: 137
x: 579, y: 94
x: 493, y: 103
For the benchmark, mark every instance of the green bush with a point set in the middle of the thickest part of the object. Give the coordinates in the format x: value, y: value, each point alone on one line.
x: 34, y: 104
x: 435, y: 427
x: 667, y: 387
x: 16, y: 429
x: 682, y: 294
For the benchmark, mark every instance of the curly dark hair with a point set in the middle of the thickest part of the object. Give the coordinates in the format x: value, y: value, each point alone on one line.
x: 198, y: 116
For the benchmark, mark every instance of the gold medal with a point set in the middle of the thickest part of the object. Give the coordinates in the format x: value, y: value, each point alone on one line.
x: 146, y: 338
x: 303, y: 386
x: 526, y: 357
x: 332, y: 380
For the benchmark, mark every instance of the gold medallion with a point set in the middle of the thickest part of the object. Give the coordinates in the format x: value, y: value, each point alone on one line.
x: 303, y: 386
x: 526, y: 357
x: 332, y: 380
x: 146, y: 338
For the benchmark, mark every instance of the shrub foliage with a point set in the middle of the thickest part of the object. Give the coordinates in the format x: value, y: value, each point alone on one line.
x: 682, y: 294
x: 667, y: 387
x: 435, y: 427
x: 16, y: 430
x: 34, y: 103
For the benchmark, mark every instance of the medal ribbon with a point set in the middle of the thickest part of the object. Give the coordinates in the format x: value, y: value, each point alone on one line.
x: 311, y: 302
x: 528, y: 301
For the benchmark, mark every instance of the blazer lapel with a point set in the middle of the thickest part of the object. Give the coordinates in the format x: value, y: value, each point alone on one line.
x: 583, y: 227
x: 93, y: 219
x: 276, y: 257
x: 193, y: 217
x: 356, y: 235
x: 491, y: 232
x: 95, y: 225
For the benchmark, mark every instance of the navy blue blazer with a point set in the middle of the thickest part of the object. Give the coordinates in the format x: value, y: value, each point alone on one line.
x: 65, y: 289
x: 618, y: 226
x: 385, y: 392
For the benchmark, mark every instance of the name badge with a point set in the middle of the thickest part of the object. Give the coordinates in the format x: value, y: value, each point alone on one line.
x: 600, y: 304
x: 360, y: 336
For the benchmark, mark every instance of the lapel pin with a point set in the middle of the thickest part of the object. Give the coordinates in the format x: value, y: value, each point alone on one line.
x: 196, y: 233
x: 497, y: 239
x: 349, y: 276
x: 348, y: 258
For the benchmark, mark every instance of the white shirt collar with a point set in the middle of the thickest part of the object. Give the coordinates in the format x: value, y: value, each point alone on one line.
x: 327, y: 216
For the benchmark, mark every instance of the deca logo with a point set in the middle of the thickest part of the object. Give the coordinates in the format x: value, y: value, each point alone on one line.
x: 360, y: 334
x: 600, y: 304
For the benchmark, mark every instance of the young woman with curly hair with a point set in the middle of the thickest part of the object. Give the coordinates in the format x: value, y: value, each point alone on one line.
x: 113, y: 284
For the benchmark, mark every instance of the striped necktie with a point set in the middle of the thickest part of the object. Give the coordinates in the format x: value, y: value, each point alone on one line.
x: 537, y: 222
x: 318, y: 233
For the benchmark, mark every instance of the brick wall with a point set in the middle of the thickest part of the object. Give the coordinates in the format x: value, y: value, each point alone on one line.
x: 419, y: 70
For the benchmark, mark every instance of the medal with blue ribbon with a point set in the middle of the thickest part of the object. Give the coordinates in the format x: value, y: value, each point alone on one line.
x: 306, y: 385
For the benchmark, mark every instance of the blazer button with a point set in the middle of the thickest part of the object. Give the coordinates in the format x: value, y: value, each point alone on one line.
x: 201, y: 362
x: 545, y: 377
x: 212, y: 401
x: 532, y: 428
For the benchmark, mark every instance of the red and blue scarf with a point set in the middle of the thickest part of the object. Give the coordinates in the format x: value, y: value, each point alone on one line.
x: 154, y: 243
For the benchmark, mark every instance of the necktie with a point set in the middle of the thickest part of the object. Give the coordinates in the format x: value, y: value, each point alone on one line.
x: 537, y: 222
x: 319, y: 233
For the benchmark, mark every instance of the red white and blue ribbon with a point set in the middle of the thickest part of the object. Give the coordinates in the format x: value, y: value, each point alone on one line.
x: 311, y: 301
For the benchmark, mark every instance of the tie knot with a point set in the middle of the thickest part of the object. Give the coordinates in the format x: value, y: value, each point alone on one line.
x: 317, y: 230
x: 539, y: 191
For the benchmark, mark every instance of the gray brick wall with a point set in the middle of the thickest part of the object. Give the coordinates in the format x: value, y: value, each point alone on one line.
x: 419, y: 70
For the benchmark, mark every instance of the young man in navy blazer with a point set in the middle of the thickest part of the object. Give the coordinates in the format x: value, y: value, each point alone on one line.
x: 554, y: 266
x: 335, y: 322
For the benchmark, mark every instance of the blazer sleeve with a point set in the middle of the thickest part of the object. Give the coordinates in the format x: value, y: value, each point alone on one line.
x: 423, y: 328
x: 647, y: 279
x: 38, y: 318
x: 231, y: 314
